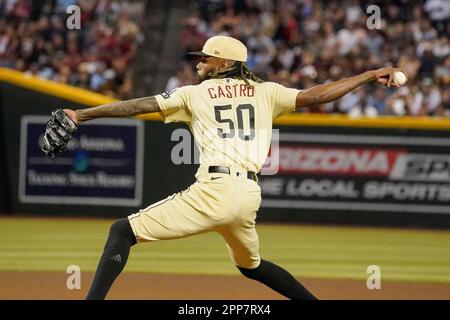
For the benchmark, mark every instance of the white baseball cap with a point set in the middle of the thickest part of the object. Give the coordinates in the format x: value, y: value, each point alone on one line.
x: 223, y: 47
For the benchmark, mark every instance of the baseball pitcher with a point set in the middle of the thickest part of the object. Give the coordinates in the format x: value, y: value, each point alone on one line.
x: 230, y: 114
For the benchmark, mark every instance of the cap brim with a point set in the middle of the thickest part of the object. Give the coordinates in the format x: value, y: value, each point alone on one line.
x: 198, y: 53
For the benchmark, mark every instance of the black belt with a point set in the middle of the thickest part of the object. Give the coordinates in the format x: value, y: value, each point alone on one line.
x: 219, y: 169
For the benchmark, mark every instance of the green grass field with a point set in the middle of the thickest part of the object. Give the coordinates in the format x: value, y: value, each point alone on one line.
x: 28, y: 244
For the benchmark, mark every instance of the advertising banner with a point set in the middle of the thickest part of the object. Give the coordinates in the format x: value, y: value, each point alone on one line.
x: 102, y: 165
x: 360, y: 172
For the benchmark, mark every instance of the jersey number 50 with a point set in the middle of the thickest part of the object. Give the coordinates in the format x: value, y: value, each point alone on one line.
x: 240, y: 121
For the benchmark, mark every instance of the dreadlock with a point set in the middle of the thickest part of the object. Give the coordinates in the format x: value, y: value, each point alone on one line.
x: 239, y: 70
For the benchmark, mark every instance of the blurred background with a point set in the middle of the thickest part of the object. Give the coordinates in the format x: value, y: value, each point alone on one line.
x: 121, y: 49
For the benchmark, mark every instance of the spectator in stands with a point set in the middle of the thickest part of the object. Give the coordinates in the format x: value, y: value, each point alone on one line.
x: 377, y: 99
x: 399, y: 103
x: 362, y: 108
x: 427, y: 99
x: 184, y: 76
x: 444, y: 108
x: 442, y: 73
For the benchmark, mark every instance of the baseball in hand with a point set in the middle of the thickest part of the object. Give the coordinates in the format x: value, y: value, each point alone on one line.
x: 400, y: 77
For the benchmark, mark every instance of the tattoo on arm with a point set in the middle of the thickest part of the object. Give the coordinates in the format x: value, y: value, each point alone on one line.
x: 120, y: 109
x: 328, y: 92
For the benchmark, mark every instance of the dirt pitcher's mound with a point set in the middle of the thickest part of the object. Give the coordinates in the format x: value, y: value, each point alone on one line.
x: 52, y: 285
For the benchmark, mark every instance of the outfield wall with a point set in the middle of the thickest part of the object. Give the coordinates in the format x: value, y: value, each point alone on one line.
x: 331, y: 169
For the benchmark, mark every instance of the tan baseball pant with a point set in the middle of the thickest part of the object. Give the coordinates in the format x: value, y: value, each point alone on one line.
x: 224, y: 203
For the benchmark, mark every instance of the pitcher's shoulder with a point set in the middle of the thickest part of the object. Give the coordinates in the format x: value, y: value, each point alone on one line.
x: 267, y: 86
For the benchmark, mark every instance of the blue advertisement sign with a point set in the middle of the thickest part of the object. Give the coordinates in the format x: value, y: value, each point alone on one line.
x: 102, y: 164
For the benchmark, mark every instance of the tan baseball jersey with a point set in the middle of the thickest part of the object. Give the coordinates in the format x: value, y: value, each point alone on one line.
x: 232, y: 125
x: 231, y: 122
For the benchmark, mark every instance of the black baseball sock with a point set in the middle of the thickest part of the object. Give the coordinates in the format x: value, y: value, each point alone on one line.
x: 279, y: 280
x: 113, y: 259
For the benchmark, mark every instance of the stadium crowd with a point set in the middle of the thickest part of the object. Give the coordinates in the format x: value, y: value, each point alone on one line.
x: 34, y: 38
x: 305, y: 42
x: 298, y: 43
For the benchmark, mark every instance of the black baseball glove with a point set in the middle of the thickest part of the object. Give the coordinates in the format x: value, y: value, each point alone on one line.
x: 60, y: 129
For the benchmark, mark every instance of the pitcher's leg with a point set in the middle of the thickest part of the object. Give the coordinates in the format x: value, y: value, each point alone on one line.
x: 279, y: 280
x: 243, y: 246
x: 113, y: 259
x: 173, y: 217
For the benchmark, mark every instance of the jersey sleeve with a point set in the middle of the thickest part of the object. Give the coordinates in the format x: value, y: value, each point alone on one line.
x: 174, y: 105
x: 283, y: 99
